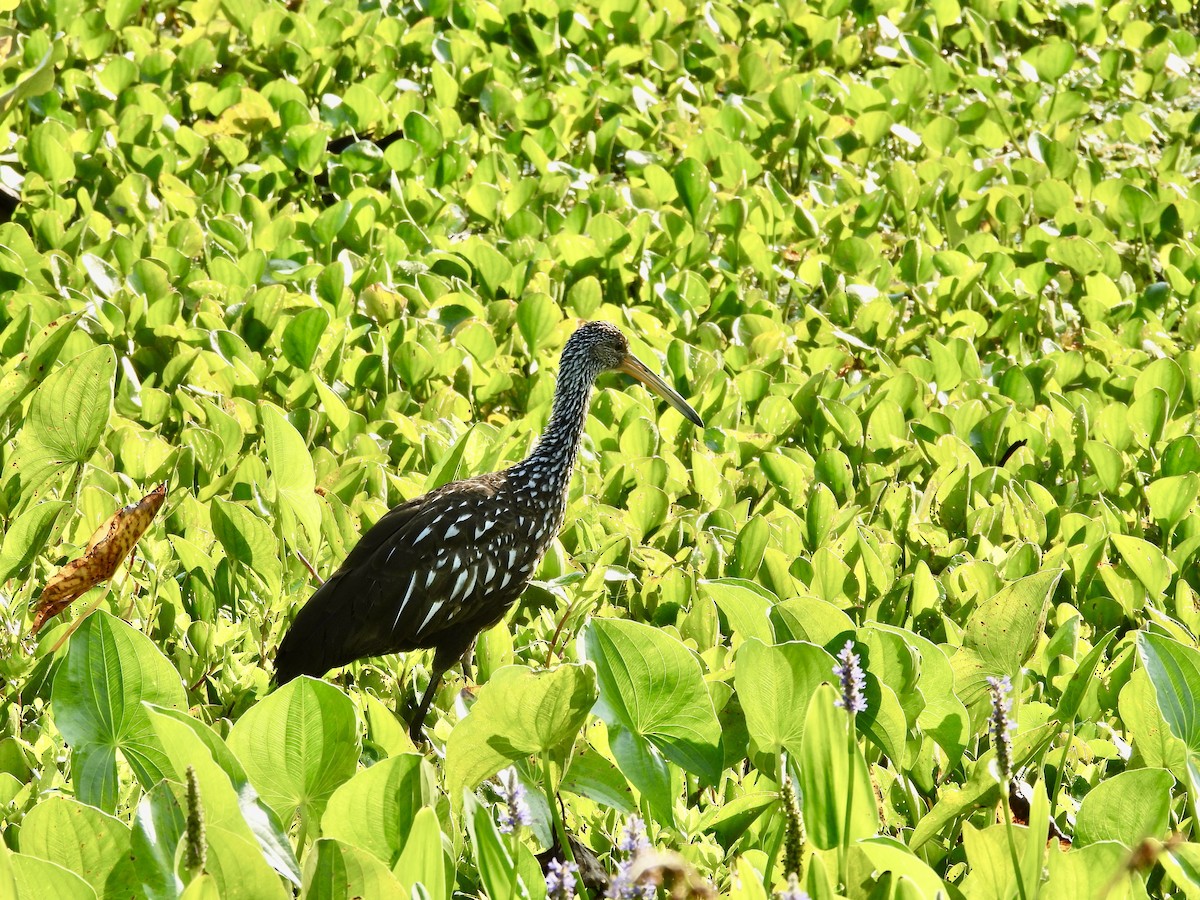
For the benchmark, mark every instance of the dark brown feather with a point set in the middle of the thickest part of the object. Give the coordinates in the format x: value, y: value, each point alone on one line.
x: 433, y: 571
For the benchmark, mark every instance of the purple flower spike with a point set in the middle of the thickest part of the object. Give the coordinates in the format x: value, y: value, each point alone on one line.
x: 516, y: 811
x: 560, y: 880
x: 854, y: 682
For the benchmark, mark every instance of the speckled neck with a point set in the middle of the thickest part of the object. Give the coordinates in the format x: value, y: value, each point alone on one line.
x: 547, y: 470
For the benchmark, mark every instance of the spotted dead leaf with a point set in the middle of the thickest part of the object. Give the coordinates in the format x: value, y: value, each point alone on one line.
x: 108, y: 547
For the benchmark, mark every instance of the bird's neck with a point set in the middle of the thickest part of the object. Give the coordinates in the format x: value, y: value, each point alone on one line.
x: 548, y: 468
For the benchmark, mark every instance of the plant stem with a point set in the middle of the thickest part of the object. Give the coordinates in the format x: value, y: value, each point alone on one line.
x: 1012, y: 841
x: 851, y: 752
x: 560, y: 829
x: 1062, y: 769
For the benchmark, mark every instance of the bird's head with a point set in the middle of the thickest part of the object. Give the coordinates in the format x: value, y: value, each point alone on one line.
x: 602, y: 347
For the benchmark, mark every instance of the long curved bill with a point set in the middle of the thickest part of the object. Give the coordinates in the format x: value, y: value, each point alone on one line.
x: 637, y: 369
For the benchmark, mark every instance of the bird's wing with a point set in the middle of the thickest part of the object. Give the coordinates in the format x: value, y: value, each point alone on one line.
x: 414, y: 575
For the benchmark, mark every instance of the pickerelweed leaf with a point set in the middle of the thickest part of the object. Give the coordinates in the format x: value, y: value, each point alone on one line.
x: 90, y: 843
x: 1003, y: 630
x: 27, y: 536
x: 292, y: 468
x: 519, y: 713
x: 651, y: 685
x: 775, y: 684
x: 109, y: 671
x: 1129, y: 807
x: 830, y: 778
x: 376, y: 808
x: 298, y: 746
x: 335, y: 870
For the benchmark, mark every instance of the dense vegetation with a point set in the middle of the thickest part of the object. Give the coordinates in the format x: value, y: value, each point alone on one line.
x: 927, y: 269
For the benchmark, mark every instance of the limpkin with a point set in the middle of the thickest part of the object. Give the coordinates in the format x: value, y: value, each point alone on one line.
x: 435, y: 571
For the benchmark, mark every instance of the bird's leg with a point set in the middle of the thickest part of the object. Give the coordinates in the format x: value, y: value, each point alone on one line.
x: 468, y: 675
x: 417, y: 725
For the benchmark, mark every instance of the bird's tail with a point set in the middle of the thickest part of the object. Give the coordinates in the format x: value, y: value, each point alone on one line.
x: 321, y: 637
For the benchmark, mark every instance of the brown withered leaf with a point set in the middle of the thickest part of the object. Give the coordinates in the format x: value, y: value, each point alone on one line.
x: 108, y: 547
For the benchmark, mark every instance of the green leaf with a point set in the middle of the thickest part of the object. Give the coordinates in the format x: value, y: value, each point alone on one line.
x: 375, y: 810
x: 497, y: 869
x: 423, y: 860
x: 298, y: 745
x: 493, y: 270
x: 263, y: 824
x: 1174, y: 672
x: 49, y: 152
x: 36, y: 80
x: 292, y: 469
x: 1003, y: 631
x: 27, y: 537
x: 30, y: 878
x: 67, y: 418
x: 158, y: 826
x: 109, y: 671
x: 339, y: 871
x: 1128, y: 807
x: 92, y: 844
x: 243, y: 14
x: 302, y: 336
x: 537, y: 317
x: 247, y: 541
x: 775, y: 685
x: 827, y: 768
x: 237, y: 859
x: 1081, y: 679
x: 746, y: 609
x: 654, y: 687
x: 692, y: 182
x: 37, y: 363
x: 1146, y: 562
x: 519, y: 713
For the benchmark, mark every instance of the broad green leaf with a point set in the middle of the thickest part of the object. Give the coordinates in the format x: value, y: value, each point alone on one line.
x: 30, y: 878
x: 247, y: 540
x: 692, y: 182
x: 871, y: 857
x: 159, y: 824
x: 335, y: 870
x: 27, y: 536
x: 92, y: 844
x: 774, y: 685
x: 1174, y: 672
x: 1003, y: 630
x: 32, y: 368
x: 653, y: 686
x: 67, y: 417
x: 1146, y: 561
x: 832, y: 776
x: 291, y: 469
x: 497, y: 868
x: 423, y: 860
x: 302, y: 336
x: 519, y: 713
x: 537, y: 317
x: 1076, y: 689
x: 746, y: 609
x: 1087, y: 871
x: 1128, y: 807
x: 264, y: 825
x: 298, y: 745
x: 236, y: 858
x: 1182, y: 863
x: 644, y: 766
x: 109, y: 671
x: 375, y: 810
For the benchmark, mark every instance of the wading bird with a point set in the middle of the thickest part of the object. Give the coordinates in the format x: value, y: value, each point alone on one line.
x: 435, y: 571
